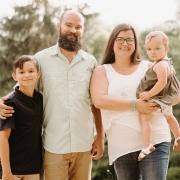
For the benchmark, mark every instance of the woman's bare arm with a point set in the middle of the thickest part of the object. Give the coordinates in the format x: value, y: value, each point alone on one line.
x: 101, y: 99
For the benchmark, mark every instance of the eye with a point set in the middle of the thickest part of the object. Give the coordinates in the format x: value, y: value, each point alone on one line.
x: 68, y: 25
x: 119, y: 40
x: 78, y: 28
x: 130, y: 40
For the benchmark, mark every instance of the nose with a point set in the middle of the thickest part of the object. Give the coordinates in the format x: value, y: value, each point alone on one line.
x: 26, y: 74
x: 73, y: 30
x: 125, y: 43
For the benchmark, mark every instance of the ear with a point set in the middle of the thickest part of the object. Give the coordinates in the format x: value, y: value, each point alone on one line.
x: 14, y: 76
x: 58, y: 27
x: 167, y: 48
x: 39, y: 73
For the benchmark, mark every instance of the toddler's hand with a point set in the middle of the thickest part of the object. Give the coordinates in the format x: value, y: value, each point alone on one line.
x: 144, y: 95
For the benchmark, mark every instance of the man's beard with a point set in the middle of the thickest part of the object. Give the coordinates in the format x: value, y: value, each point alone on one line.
x: 68, y: 44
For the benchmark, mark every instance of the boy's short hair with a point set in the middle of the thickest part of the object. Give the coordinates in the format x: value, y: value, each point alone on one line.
x: 156, y: 33
x: 19, y: 62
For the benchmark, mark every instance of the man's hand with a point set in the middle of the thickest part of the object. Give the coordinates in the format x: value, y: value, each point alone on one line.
x: 146, y: 107
x: 98, y: 145
x: 5, y: 111
x: 97, y: 149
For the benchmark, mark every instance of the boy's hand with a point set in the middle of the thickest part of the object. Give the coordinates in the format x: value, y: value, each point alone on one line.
x: 8, y: 176
x: 144, y: 96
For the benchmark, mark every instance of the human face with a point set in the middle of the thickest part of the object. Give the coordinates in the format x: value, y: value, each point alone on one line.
x: 65, y: 43
x: 27, y: 76
x: 72, y: 23
x: 124, y: 50
x: 156, y: 49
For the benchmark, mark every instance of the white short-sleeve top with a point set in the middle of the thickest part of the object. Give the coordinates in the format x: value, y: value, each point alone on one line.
x: 123, y: 128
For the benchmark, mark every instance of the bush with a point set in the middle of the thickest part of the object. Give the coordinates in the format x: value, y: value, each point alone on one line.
x: 173, y: 173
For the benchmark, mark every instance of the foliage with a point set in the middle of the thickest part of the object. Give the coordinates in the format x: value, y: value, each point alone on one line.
x: 32, y: 28
x: 26, y: 32
x: 101, y: 170
x: 173, y: 173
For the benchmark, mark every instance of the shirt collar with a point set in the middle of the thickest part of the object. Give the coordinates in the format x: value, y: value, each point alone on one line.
x: 23, y: 96
x: 56, y: 51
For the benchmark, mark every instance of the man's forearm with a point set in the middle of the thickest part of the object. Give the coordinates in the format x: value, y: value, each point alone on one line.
x: 98, y: 122
x: 5, y: 111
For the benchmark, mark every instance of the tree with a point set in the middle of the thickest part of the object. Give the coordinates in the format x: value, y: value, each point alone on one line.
x: 32, y: 28
x: 26, y: 32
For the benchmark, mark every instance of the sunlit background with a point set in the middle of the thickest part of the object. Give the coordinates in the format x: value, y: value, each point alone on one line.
x: 28, y: 26
x: 140, y: 13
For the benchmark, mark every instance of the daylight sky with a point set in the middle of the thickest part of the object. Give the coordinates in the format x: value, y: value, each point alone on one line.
x: 142, y: 14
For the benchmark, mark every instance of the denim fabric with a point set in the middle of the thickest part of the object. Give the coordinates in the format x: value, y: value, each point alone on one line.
x: 152, y: 167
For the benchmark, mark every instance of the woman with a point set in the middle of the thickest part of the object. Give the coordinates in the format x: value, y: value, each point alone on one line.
x: 113, y: 90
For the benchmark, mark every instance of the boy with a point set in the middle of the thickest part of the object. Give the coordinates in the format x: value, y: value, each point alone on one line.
x: 20, y: 135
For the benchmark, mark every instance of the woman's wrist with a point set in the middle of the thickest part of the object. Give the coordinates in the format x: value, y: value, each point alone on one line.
x: 134, y: 105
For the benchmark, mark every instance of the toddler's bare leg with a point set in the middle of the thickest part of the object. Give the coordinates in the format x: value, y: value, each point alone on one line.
x: 174, y: 125
x: 146, y: 128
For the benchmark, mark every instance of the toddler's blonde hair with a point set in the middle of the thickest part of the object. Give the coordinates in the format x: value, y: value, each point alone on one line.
x: 156, y: 33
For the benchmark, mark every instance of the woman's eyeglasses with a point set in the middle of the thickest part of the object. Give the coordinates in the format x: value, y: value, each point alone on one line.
x: 120, y: 40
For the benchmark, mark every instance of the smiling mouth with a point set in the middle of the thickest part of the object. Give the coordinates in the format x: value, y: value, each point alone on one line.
x: 27, y: 79
x: 72, y: 37
x: 124, y: 49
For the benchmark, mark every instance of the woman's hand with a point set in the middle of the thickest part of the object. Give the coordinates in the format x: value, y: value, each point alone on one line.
x: 146, y: 107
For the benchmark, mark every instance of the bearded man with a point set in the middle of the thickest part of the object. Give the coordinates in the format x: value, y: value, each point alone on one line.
x: 69, y: 116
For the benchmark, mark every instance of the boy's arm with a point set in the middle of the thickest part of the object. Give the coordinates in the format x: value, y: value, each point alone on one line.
x: 98, y: 145
x: 161, y: 71
x: 4, y: 154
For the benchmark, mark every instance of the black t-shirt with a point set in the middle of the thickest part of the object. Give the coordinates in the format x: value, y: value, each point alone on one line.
x: 25, y: 140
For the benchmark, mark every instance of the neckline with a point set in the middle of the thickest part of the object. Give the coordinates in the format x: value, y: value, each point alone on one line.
x: 123, y: 74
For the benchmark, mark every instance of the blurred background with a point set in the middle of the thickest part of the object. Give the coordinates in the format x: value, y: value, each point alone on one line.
x: 27, y: 26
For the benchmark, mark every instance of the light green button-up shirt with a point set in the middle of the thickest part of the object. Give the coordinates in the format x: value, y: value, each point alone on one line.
x: 68, y: 122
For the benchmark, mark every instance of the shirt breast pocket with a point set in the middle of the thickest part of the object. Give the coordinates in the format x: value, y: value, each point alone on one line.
x: 54, y: 83
x: 82, y: 83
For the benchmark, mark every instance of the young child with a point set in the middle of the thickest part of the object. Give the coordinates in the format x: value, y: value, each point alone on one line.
x: 158, y: 85
x: 20, y: 134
